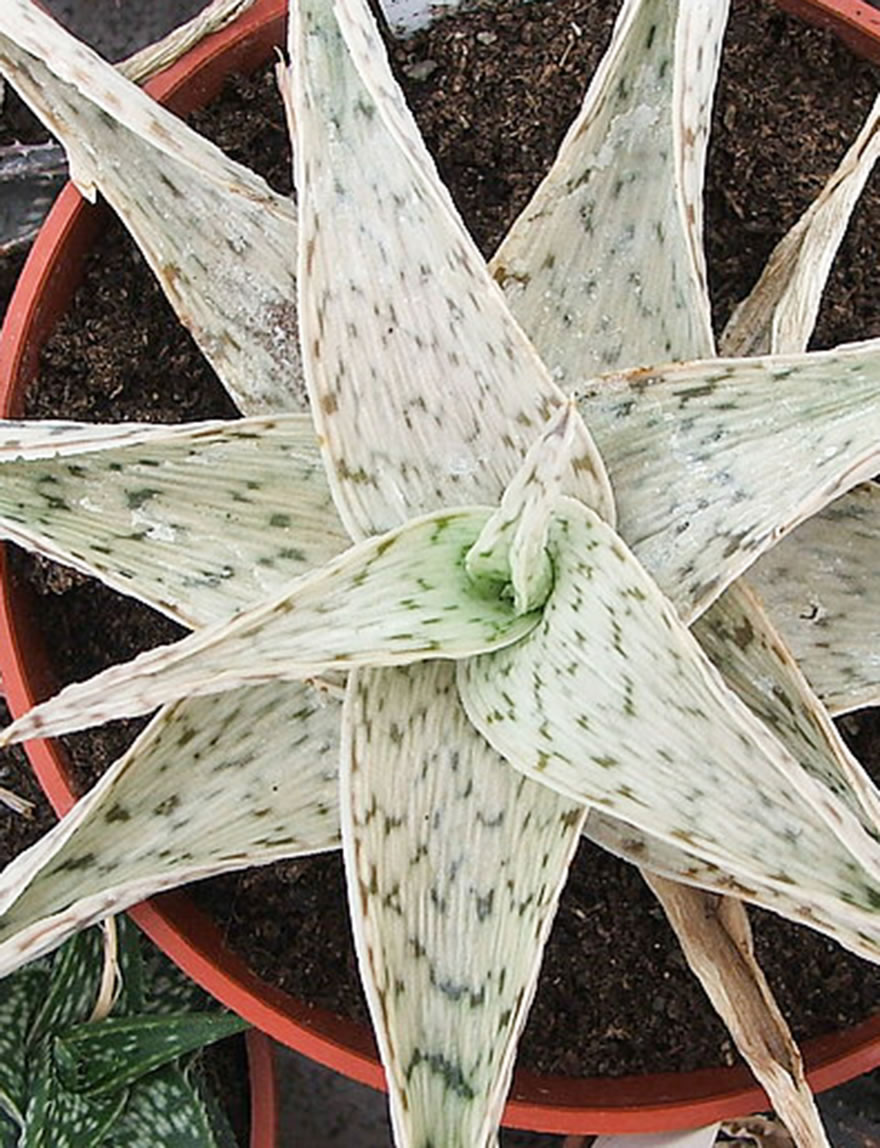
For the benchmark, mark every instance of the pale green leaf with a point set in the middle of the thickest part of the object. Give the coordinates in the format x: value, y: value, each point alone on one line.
x: 393, y: 599
x: 455, y: 864
x: 510, y: 552
x: 780, y: 312
x: 261, y: 762
x: 713, y: 462
x: 624, y: 197
x: 611, y: 702
x: 424, y: 390
x: 739, y: 638
x: 821, y: 587
x: 197, y: 520
x: 219, y: 240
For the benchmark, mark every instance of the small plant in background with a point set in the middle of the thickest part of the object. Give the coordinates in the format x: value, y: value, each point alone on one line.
x: 98, y: 1060
x: 453, y: 616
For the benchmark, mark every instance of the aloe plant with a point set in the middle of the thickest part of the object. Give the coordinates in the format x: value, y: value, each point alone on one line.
x: 486, y: 593
x: 86, y: 1065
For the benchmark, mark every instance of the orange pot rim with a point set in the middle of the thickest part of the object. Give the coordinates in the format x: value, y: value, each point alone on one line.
x: 263, y: 1088
x: 646, y: 1103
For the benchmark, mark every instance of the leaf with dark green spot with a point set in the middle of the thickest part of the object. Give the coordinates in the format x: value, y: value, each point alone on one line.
x: 624, y: 197
x: 219, y: 240
x: 713, y: 462
x: 198, y: 521
x: 393, y: 599
x: 820, y: 586
x: 261, y: 761
x: 420, y: 378
x: 455, y: 864
x: 611, y: 702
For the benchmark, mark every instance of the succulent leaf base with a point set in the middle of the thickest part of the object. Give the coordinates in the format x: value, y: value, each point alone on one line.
x: 478, y: 589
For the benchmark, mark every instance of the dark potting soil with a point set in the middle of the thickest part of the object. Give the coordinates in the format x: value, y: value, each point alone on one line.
x: 494, y: 91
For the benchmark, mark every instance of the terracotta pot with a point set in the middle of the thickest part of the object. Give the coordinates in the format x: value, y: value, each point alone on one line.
x: 263, y: 1090
x: 856, y: 22
x: 551, y: 1104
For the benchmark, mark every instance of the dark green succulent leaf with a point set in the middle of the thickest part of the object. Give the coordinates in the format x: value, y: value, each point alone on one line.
x: 130, y: 943
x: 10, y: 1130
x: 167, y: 989
x: 102, y: 1057
x: 73, y: 985
x: 19, y: 999
x: 58, y: 1118
x: 166, y: 1110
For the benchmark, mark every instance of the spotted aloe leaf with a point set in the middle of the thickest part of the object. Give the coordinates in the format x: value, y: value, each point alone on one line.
x: 739, y: 638
x: 393, y: 599
x: 781, y: 310
x: 511, y: 551
x: 170, y: 1111
x: 463, y: 435
x: 269, y: 778
x: 103, y: 1057
x: 713, y: 462
x: 61, y: 1118
x: 220, y: 242
x: 623, y: 197
x: 653, y: 855
x: 72, y: 987
x: 611, y: 701
x: 820, y: 585
x: 457, y: 863
x: 394, y: 294
x: 548, y: 248
x: 715, y: 935
x: 107, y: 500
x: 17, y: 1006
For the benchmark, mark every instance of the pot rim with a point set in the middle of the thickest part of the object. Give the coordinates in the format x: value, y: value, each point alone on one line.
x: 648, y: 1103
x: 263, y: 1088
x: 855, y: 22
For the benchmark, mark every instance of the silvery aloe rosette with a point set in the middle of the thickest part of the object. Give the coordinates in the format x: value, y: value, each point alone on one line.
x: 477, y: 572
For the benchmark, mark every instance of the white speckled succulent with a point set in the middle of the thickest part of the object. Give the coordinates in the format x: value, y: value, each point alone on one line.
x: 514, y: 546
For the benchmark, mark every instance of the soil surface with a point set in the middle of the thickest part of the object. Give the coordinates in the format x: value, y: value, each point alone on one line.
x: 494, y: 91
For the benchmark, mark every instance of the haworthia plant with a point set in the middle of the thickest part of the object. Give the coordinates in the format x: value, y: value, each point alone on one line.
x: 498, y: 581
x: 72, y: 1078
